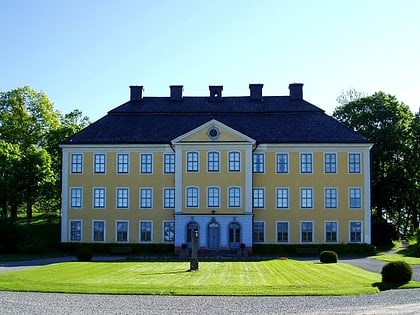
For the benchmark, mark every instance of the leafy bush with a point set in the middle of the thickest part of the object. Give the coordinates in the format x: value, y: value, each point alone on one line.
x: 418, y: 236
x: 397, y: 272
x: 328, y: 257
x: 84, y: 254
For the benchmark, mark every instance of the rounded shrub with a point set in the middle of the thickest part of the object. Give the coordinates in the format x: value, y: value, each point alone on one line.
x: 328, y: 257
x: 397, y: 272
x: 84, y: 254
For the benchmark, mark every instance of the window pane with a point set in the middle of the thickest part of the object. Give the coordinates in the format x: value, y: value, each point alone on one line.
x: 122, y: 231
x: 122, y: 198
x: 145, y: 231
x: 234, y: 197
x: 213, y: 161
x: 282, y: 198
x: 192, y: 162
x: 331, y: 231
x: 146, y: 197
x: 306, y: 163
x: 76, y: 197
x: 306, y: 198
x: 75, y: 230
x: 98, y: 231
x: 99, y: 197
x: 306, y: 231
x: 258, y: 198
x: 354, y: 163
x: 99, y: 163
x: 330, y: 198
x: 258, y: 163
x: 122, y: 166
x: 282, y: 232
x: 76, y: 163
x: 234, y: 161
x: 169, y: 198
x: 146, y: 164
x: 169, y: 163
x: 355, y: 231
x: 258, y: 232
x: 282, y: 163
x: 355, y: 198
x: 169, y: 231
x: 192, y: 197
x: 213, y: 197
x: 330, y: 163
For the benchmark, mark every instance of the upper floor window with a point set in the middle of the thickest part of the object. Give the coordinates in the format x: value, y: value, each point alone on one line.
x: 146, y: 163
x: 76, y: 197
x: 282, y: 198
x: 122, y: 163
x: 192, y: 162
x: 169, y: 163
x: 258, y: 231
x: 234, y: 161
x: 330, y: 197
x: 99, y: 197
x: 99, y: 166
x: 306, y: 198
x: 122, y: 198
x: 355, y: 198
x: 146, y: 197
x: 213, y: 197
x: 169, y: 198
x: 306, y: 163
x: 330, y: 163
x: 76, y: 163
x: 258, y: 198
x: 234, y: 197
x: 192, y: 197
x: 282, y: 163
x: 213, y: 162
x: 258, y: 163
x: 354, y: 162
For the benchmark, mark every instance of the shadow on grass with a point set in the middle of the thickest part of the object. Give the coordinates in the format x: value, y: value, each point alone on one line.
x: 384, y: 286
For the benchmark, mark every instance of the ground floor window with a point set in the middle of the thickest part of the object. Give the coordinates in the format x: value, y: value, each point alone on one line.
x: 283, y: 232
x: 122, y: 231
x: 145, y: 231
x: 98, y: 231
x: 355, y: 232
x: 258, y: 232
x: 331, y: 232
x: 234, y: 235
x: 306, y: 232
x: 169, y: 231
x: 75, y: 230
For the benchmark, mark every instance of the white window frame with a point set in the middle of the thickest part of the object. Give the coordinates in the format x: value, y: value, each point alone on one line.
x: 306, y: 163
x: 146, y: 163
x: 282, y: 167
x: 170, y: 231
x: 193, y: 161
x: 169, y: 163
x: 312, y: 231
x: 146, y: 197
x: 359, y: 232
x: 258, y: 163
x: 212, y: 200
x: 169, y: 198
x: 99, y: 198
x: 125, y: 222
x: 258, y: 202
x: 354, y: 165
x: 234, y: 161
x: 258, y: 240
x: 103, y: 232
x: 99, y: 163
x: 234, y: 197
x: 326, y: 231
x: 192, y: 197
x: 150, y: 225
x: 122, y: 202
x: 78, y: 199
x: 213, y: 162
x: 304, y: 198
x: 281, y: 198
x: 330, y: 167
x: 123, y: 163
x: 79, y: 230
x: 353, y: 198
x: 278, y: 231
x: 330, y: 202
x: 76, y: 163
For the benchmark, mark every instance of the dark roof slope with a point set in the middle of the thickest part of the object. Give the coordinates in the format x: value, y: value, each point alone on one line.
x: 274, y: 119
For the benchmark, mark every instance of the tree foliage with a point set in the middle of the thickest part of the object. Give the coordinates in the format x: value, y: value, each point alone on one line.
x: 391, y: 126
x: 30, y: 131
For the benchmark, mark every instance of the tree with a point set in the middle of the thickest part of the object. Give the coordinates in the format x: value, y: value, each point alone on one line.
x: 349, y: 95
x: 387, y: 122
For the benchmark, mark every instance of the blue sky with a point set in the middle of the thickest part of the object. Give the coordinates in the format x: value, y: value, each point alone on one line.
x: 85, y: 54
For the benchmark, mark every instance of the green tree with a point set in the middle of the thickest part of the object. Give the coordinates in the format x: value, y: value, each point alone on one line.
x: 387, y: 122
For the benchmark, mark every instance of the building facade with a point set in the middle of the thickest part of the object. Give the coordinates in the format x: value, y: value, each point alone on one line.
x: 240, y: 170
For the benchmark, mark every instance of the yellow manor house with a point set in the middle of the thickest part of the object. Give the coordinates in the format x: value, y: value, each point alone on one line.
x: 241, y: 170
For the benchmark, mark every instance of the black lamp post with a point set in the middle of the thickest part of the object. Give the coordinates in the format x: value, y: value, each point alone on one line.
x: 194, y: 250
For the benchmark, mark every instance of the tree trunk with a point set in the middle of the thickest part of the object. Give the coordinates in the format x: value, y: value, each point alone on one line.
x: 13, y: 210
x: 29, y: 211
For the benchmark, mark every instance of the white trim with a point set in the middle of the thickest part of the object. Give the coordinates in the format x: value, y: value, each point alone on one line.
x: 151, y: 198
x: 248, y: 180
x: 141, y: 154
x: 117, y: 154
x: 71, y: 196
x: 219, y: 199
x: 349, y: 197
x: 336, y: 198
x: 64, y: 195
x: 263, y: 198
x: 336, y: 163
x: 198, y: 197
x: 93, y: 197
x: 163, y: 198
x: 276, y: 198
x: 276, y: 162
x: 367, y: 196
x: 94, y: 163
x: 312, y: 198
x: 116, y: 198
x: 179, y: 190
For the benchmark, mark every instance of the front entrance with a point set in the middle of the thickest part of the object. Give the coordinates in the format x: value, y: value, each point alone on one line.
x: 213, y: 235
x: 234, y: 235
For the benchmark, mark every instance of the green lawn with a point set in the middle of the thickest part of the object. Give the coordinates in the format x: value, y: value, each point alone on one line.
x: 399, y: 257
x: 271, y: 277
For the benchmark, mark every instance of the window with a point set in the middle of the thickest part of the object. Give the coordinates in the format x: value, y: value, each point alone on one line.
x: 99, y: 197
x: 169, y: 198
x: 76, y: 197
x: 122, y: 197
x: 169, y: 163
x: 213, y: 197
x: 258, y: 163
x: 355, y: 198
x: 355, y: 232
x: 354, y: 163
x: 330, y: 197
x: 331, y: 232
x: 234, y: 161
x: 122, y: 163
x: 145, y: 231
x: 76, y: 163
x: 98, y: 231
x: 330, y: 163
x: 213, y: 162
x: 258, y: 232
x: 146, y: 197
x: 192, y: 162
x: 168, y: 231
x: 122, y: 231
x: 282, y: 163
x: 99, y: 166
x: 282, y: 232
x: 306, y: 163
x: 306, y: 230
x: 192, y: 197
x: 76, y: 230
x: 146, y: 163
x: 306, y: 200
x: 258, y: 198
x: 234, y: 197
x: 282, y: 197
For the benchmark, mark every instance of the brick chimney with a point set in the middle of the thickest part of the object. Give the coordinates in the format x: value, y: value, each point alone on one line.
x: 136, y: 92
x: 215, y: 93
x: 176, y: 92
x: 296, y: 92
x: 255, y: 91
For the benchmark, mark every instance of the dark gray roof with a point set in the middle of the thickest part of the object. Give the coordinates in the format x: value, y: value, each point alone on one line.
x: 274, y: 119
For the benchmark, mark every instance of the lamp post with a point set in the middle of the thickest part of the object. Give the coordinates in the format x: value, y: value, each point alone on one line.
x: 194, y: 250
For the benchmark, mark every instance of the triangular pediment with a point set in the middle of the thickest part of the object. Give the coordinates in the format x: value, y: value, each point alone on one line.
x: 215, y: 132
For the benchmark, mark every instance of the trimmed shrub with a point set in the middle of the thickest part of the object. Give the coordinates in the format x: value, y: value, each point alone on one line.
x: 397, y: 272
x: 84, y: 254
x: 328, y: 257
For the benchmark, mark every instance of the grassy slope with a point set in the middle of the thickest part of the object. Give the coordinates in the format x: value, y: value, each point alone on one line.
x: 273, y: 277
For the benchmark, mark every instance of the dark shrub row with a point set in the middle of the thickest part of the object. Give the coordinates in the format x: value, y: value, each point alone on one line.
x: 136, y: 249
x: 341, y: 249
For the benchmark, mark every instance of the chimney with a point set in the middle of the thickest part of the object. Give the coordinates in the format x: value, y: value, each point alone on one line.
x: 136, y: 92
x: 256, y: 91
x: 296, y: 91
x: 176, y: 92
x: 216, y: 93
